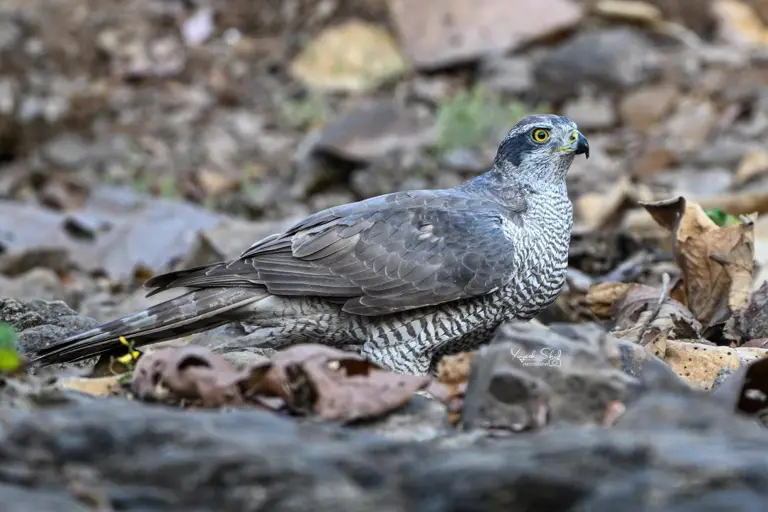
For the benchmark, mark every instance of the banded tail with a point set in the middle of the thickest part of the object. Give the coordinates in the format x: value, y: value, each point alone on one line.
x: 193, y: 312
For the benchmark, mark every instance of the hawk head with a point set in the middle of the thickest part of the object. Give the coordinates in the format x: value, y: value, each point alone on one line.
x: 541, y: 148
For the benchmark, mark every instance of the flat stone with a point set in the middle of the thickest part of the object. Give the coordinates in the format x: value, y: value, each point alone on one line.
x: 696, y: 182
x: 67, y: 151
x: 609, y: 60
x: 441, y: 33
x: 374, y: 130
x: 40, y: 323
x: 644, y: 108
x: 683, y: 444
x: 690, y: 126
x: 351, y: 56
x: 38, y: 283
x: 512, y: 75
x: 652, y: 159
x: 530, y: 376
x: 591, y: 113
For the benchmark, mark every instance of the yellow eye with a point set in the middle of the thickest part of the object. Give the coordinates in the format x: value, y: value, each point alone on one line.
x: 540, y: 135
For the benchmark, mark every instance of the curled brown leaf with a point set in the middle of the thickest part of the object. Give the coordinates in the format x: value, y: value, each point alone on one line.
x: 189, y: 372
x: 641, y: 313
x: 716, y: 263
x: 334, y: 384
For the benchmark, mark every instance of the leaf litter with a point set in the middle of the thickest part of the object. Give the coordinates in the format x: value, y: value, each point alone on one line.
x: 308, y: 380
x: 707, y: 324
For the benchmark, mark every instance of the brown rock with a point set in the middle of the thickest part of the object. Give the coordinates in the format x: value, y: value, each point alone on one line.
x: 761, y: 8
x: 696, y: 15
x: 439, y: 33
x: 652, y: 159
x: 643, y: 108
x: 353, y: 56
x: 754, y: 163
x: 628, y: 10
x: 739, y: 24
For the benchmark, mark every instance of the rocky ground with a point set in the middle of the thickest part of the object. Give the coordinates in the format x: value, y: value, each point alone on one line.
x: 143, y: 135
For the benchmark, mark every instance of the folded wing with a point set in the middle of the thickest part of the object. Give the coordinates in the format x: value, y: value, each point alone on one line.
x: 387, y: 254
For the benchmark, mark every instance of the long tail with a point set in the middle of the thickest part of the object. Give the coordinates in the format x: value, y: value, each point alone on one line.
x: 192, y: 312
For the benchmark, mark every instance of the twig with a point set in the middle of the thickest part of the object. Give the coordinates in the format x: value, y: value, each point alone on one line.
x: 665, y: 280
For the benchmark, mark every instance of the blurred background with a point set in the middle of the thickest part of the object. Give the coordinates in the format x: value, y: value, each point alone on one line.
x: 139, y: 135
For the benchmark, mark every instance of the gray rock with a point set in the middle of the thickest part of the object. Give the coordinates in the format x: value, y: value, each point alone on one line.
x: 20, y: 499
x: 40, y: 323
x: 464, y: 160
x: 530, y: 376
x: 725, y: 151
x: 374, y: 130
x: 229, y: 238
x: 117, y: 232
x: 591, y: 113
x: 39, y: 283
x: 608, y: 60
x: 67, y: 151
x: 669, y: 452
x: 674, y: 449
x: 513, y: 75
x: 695, y: 181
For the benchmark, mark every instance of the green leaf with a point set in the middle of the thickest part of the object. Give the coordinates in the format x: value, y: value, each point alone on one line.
x: 7, y: 337
x: 721, y: 218
x: 9, y: 356
x: 9, y: 361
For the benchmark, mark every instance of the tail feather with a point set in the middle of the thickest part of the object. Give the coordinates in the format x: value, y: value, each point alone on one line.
x: 192, y: 312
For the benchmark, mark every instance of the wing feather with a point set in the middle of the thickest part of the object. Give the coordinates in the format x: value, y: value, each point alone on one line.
x: 386, y: 254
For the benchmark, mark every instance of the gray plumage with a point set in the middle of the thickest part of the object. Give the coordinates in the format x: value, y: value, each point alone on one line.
x: 405, y: 277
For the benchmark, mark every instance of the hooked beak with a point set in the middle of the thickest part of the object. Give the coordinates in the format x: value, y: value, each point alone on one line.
x: 580, y: 145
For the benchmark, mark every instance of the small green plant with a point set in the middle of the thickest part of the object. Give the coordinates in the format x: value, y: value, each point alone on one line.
x: 10, y: 359
x: 141, y: 185
x: 471, y: 117
x: 167, y: 186
x: 722, y: 219
x: 311, y: 111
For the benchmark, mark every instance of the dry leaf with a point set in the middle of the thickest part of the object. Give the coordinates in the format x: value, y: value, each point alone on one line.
x: 739, y: 203
x: 601, y: 298
x: 599, y: 210
x: 644, y: 313
x: 334, y: 384
x: 753, y: 164
x: 339, y: 396
x: 716, y: 262
x: 700, y: 365
x: 216, y: 183
x: 273, y: 383
x: 189, y: 372
x: 101, y: 386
